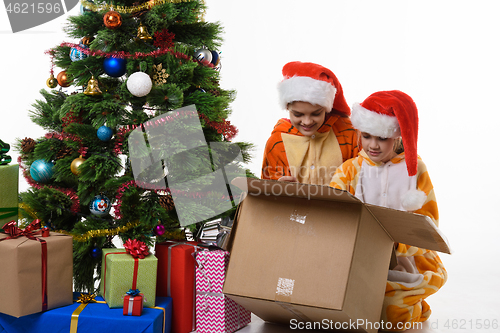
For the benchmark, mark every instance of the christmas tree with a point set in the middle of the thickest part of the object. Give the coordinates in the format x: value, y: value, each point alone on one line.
x: 113, y: 108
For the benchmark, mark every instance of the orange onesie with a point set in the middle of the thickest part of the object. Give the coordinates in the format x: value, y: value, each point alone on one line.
x: 314, y: 159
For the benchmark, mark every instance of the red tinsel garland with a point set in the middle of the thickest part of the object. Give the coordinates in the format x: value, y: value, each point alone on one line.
x: 64, y: 136
x: 225, y: 128
x: 126, y: 55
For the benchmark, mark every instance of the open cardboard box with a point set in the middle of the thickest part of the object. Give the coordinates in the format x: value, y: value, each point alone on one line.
x: 309, y: 253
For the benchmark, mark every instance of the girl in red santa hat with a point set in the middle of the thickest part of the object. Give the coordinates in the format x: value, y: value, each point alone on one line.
x: 388, y: 172
x: 319, y: 136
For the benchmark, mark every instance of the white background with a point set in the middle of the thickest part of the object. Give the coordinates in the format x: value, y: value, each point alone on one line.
x: 444, y: 54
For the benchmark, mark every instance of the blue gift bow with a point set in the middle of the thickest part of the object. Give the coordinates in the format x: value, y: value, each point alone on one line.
x: 133, y: 292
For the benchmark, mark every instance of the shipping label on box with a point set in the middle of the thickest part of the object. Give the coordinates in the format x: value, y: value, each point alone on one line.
x: 215, y: 312
x: 23, y: 279
x: 308, y: 252
x: 117, y: 277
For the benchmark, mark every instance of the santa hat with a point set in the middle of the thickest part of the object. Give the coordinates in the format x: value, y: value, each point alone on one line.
x: 390, y: 114
x: 308, y: 82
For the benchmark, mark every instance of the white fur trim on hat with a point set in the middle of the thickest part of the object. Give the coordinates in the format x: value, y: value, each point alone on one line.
x: 374, y: 123
x: 306, y: 89
x: 413, y: 200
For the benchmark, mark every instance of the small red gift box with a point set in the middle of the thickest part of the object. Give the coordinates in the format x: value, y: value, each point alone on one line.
x: 132, y: 305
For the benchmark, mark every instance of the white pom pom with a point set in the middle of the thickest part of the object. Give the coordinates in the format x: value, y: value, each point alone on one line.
x: 139, y: 84
x: 413, y: 200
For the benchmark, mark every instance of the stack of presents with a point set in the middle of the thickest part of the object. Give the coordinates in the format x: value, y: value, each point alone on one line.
x: 296, y: 252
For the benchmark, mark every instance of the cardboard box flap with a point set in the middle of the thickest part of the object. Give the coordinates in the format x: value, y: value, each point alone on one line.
x: 411, y: 229
x: 403, y: 227
x: 254, y: 186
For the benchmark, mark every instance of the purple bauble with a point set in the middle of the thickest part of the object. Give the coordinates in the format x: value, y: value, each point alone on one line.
x: 159, y: 230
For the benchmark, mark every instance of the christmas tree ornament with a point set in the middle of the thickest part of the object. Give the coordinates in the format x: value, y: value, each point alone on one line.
x: 96, y: 252
x: 167, y: 202
x: 92, y: 88
x: 85, y: 41
x: 160, y: 75
x: 28, y: 145
x: 100, y: 205
x: 104, y: 133
x: 41, y: 170
x: 139, y: 84
x: 215, y: 58
x: 63, y: 79
x: 75, y: 164
x: 76, y: 55
x: 143, y: 34
x: 159, y: 230
x: 115, y: 67
x: 112, y: 19
x: 204, y: 56
x: 163, y: 39
x: 51, y: 82
x: 83, y: 9
x: 65, y: 151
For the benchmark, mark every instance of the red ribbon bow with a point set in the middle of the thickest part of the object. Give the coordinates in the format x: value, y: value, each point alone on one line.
x: 136, y: 249
x: 14, y: 231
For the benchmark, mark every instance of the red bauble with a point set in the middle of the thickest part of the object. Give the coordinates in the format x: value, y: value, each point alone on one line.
x: 62, y: 79
x: 112, y: 19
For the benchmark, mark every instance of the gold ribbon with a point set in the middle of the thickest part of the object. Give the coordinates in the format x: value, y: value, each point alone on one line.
x: 90, y: 298
x: 84, y: 299
x: 163, y: 309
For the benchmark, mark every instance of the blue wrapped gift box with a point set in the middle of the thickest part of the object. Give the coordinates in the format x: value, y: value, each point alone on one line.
x: 95, y: 318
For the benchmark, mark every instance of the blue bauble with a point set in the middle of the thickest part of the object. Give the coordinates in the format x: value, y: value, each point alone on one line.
x: 96, y: 252
x: 104, y: 133
x: 41, y: 170
x: 115, y: 67
x: 215, y: 58
x: 76, y: 55
x: 84, y: 10
x: 100, y: 205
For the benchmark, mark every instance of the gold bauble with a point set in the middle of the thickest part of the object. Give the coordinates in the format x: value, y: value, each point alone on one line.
x: 51, y: 82
x: 62, y: 79
x: 86, y: 40
x: 75, y: 164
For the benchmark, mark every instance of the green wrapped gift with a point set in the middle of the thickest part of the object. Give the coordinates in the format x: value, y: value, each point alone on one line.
x: 119, y: 273
x: 9, y: 180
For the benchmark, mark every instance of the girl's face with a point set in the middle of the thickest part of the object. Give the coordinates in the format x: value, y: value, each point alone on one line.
x: 306, y: 117
x: 377, y: 148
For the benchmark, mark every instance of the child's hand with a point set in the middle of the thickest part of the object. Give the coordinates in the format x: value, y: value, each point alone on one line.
x: 288, y: 179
